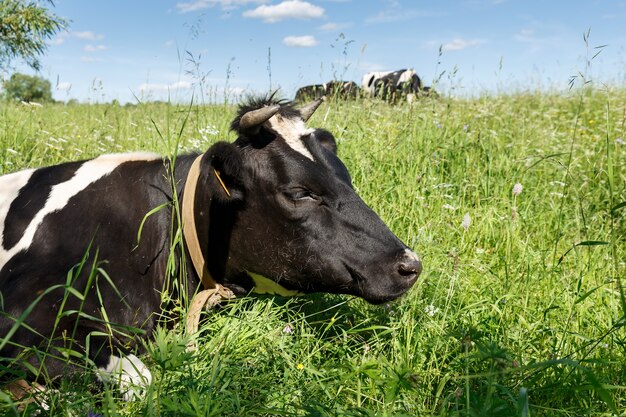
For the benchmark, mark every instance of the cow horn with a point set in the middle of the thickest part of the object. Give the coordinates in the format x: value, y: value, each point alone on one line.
x: 257, y: 117
x: 307, y: 110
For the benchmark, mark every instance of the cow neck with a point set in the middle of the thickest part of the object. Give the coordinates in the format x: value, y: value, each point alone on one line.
x: 262, y: 285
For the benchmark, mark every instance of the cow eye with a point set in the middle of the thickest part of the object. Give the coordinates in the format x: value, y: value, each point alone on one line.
x: 301, y: 194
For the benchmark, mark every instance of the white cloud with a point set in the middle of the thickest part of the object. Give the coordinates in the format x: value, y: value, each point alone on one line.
x: 169, y: 44
x: 331, y: 26
x: 395, y: 13
x: 328, y: 26
x: 525, y: 35
x: 459, y: 44
x: 193, y: 6
x: 86, y: 35
x: 300, y: 41
x: 94, y: 48
x: 59, y: 39
x: 289, y: 9
x: 152, y: 88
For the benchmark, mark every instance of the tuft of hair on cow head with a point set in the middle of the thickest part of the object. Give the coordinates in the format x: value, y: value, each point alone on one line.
x: 255, y: 111
x: 222, y: 172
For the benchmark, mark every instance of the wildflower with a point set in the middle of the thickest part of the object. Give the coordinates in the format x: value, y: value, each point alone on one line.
x: 210, y: 130
x: 449, y: 207
x: 300, y: 366
x: 439, y: 126
x: 620, y: 141
x: 465, y: 128
x: 431, y: 310
x: 288, y: 329
x: 467, y: 220
x: 517, y: 189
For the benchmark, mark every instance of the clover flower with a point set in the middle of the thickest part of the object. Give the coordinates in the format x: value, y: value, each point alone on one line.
x: 467, y: 221
x: 431, y: 310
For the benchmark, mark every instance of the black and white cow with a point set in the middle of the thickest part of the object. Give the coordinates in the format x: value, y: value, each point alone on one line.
x: 392, y: 85
x: 276, y: 203
x: 340, y: 89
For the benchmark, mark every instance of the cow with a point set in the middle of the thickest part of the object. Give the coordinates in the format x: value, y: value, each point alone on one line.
x: 341, y: 89
x: 276, y: 206
x: 392, y: 85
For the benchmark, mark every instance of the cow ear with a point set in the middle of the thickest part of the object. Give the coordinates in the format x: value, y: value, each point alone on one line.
x: 222, y: 171
x: 326, y: 139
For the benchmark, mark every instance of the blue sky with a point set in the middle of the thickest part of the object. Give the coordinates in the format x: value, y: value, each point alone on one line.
x: 118, y: 49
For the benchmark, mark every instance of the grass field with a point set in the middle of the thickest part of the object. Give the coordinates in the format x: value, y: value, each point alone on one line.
x: 519, y: 311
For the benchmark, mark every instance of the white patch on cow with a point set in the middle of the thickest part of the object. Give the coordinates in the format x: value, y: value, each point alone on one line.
x: 292, y: 130
x: 89, y: 172
x: 367, y: 82
x: 405, y: 76
x: 10, y: 186
x: 410, y: 254
x: 129, y: 372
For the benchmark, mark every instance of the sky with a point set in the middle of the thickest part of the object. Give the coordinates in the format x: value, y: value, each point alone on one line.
x: 211, y: 50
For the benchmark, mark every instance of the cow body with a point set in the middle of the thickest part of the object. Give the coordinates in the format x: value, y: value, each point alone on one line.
x: 392, y: 85
x: 344, y: 90
x: 276, y: 203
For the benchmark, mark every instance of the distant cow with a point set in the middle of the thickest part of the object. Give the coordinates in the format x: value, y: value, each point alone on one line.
x: 276, y: 206
x: 339, y: 89
x: 392, y: 85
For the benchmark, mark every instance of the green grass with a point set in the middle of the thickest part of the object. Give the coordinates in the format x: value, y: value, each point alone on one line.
x: 520, y: 314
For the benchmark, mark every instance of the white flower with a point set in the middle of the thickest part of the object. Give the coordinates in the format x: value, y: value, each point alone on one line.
x: 620, y: 141
x: 288, y: 329
x: 517, y: 189
x: 467, y: 220
x: 210, y: 130
x: 449, y: 207
x: 431, y: 310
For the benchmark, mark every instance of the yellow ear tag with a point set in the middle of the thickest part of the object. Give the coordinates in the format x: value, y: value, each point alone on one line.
x: 263, y: 285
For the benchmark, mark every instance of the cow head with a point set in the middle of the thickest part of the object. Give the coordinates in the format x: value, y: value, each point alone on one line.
x: 292, y: 214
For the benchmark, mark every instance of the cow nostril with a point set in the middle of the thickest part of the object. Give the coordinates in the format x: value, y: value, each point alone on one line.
x: 410, y: 268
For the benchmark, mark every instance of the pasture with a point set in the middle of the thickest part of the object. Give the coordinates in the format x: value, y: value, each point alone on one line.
x: 520, y: 310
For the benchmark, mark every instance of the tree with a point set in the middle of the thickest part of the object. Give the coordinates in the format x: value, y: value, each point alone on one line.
x: 27, y: 88
x: 25, y: 25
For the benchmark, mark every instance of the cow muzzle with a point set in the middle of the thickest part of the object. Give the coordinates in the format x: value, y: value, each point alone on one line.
x: 386, y: 280
x: 409, y: 267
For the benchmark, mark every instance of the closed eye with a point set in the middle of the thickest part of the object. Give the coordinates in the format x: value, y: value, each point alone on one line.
x: 301, y: 194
